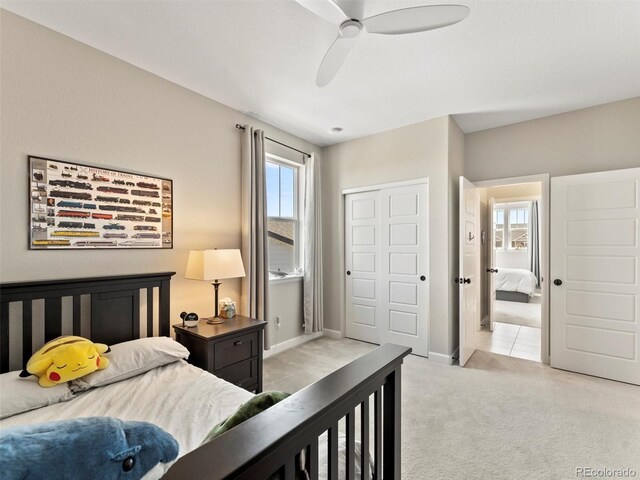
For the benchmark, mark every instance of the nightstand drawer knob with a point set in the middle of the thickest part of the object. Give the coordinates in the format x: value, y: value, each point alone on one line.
x: 239, y: 342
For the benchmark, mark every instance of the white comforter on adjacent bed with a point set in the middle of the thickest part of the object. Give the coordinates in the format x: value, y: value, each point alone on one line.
x: 515, y: 280
x: 171, y: 396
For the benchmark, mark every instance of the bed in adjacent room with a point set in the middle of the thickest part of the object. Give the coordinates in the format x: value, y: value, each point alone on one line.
x: 515, y: 284
x: 188, y: 402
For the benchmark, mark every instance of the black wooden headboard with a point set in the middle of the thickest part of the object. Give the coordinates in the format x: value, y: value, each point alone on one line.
x: 104, y: 309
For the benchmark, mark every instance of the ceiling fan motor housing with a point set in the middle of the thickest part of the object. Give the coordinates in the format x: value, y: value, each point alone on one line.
x: 350, y: 29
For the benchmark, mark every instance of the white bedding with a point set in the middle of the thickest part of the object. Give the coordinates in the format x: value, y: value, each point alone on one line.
x: 515, y: 280
x: 171, y: 397
x: 192, y: 393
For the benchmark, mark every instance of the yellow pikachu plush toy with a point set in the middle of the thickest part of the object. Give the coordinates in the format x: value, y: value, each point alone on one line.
x: 64, y: 359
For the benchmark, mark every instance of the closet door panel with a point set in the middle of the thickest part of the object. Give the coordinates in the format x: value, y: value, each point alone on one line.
x: 362, y: 258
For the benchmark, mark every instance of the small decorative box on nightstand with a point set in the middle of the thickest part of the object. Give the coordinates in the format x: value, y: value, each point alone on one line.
x: 231, y: 350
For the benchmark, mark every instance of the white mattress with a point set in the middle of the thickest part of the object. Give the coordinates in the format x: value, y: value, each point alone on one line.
x: 170, y: 397
x: 515, y: 280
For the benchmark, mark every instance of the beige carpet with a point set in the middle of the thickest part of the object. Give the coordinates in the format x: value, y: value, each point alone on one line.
x: 497, y: 418
x: 518, y: 313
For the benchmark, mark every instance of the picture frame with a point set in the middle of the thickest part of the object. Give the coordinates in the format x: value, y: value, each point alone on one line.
x: 74, y: 206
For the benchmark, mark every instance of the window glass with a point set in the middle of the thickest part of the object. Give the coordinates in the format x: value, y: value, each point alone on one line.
x: 287, y: 189
x: 498, y: 222
x: 282, y: 221
x: 519, y: 228
x: 273, y: 189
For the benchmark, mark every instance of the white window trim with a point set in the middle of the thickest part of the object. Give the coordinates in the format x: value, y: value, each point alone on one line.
x: 298, y: 212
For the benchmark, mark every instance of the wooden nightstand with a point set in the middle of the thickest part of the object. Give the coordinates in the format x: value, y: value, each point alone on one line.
x: 231, y: 350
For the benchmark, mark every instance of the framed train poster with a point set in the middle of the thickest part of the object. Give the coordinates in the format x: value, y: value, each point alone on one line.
x: 75, y: 206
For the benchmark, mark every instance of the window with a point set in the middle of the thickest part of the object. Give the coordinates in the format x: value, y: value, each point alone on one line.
x: 518, y: 228
x: 512, y: 220
x: 283, y: 225
x: 498, y: 232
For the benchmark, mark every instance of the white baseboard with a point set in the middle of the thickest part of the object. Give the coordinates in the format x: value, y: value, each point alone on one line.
x: 335, y: 334
x: 291, y: 343
x: 443, y: 359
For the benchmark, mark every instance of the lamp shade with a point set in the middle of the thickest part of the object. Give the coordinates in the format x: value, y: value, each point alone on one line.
x: 214, y: 264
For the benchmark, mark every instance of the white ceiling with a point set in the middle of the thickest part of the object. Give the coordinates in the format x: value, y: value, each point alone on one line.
x: 509, y: 61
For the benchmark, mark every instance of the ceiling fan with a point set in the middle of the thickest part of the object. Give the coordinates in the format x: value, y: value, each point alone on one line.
x: 394, y: 22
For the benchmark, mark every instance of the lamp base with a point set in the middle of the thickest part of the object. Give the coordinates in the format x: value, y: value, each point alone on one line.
x: 215, y: 320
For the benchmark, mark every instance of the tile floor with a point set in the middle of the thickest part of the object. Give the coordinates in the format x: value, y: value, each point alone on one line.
x: 512, y: 340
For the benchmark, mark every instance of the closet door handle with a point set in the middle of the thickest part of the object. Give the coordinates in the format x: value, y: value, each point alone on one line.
x: 348, y: 272
x: 423, y: 278
x: 557, y: 282
x: 466, y: 280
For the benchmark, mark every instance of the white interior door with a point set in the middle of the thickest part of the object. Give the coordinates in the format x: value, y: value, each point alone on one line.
x: 386, y: 258
x: 595, y: 247
x: 469, y: 268
x: 362, y: 261
x: 405, y: 267
x: 492, y: 263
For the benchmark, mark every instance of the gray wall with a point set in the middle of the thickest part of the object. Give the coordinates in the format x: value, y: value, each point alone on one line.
x: 65, y: 100
x: 593, y: 139
x: 285, y: 302
x: 415, y: 151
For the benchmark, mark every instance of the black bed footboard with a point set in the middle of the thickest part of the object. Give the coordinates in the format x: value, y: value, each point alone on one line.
x: 272, y: 441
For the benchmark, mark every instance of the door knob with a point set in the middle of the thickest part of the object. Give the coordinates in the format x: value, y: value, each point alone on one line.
x: 492, y: 270
x: 348, y: 272
x: 557, y: 282
x: 423, y: 278
x: 466, y: 280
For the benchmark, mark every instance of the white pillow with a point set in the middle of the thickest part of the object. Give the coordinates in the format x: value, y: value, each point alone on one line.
x: 18, y: 395
x: 128, y: 359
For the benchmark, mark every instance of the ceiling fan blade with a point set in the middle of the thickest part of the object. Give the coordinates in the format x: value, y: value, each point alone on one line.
x: 415, y: 19
x: 326, y: 9
x: 333, y: 60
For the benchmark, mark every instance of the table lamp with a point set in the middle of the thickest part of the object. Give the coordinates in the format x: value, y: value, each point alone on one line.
x: 214, y: 265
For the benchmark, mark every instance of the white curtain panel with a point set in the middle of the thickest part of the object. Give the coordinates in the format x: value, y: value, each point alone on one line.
x: 255, y: 285
x: 312, y: 287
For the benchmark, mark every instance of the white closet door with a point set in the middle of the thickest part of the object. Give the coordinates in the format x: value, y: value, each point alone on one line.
x: 386, y: 257
x: 405, y: 266
x: 362, y: 260
x: 595, y: 247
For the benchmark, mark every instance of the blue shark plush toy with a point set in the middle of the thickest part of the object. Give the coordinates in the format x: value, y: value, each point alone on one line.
x: 95, y: 447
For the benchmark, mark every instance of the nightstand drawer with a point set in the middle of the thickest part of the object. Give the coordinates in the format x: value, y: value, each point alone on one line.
x: 243, y: 374
x: 234, y: 350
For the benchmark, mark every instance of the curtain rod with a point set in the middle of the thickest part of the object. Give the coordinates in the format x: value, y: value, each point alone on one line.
x: 240, y: 127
